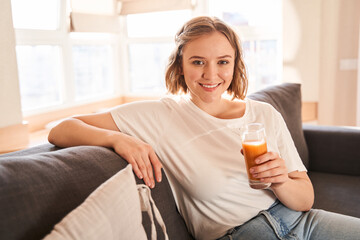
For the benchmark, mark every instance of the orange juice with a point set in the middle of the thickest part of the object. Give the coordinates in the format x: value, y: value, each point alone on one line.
x: 253, y: 149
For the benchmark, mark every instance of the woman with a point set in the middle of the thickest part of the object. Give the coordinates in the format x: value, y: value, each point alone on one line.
x: 195, y: 138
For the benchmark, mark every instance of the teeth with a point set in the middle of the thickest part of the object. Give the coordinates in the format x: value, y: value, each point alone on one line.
x: 209, y: 86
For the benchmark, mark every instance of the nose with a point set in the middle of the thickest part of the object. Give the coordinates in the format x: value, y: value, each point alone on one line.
x: 209, y: 71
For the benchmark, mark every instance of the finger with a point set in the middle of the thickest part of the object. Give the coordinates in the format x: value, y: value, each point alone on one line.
x: 143, y: 169
x: 156, y: 164
x: 271, y: 173
x: 149, y: 169
x: 136, y: 169
x: 266, y: 157
x: 266, y: 166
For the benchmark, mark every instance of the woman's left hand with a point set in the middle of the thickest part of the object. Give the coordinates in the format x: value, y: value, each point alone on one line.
x: 270, y: 169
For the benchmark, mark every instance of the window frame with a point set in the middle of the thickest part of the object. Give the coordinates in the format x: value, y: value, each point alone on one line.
x: 136, y: 40
x: 65, y: 40
x: 257, y: 34
x: 127, y: 40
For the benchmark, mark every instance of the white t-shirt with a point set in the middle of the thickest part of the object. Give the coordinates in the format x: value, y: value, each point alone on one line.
x: 202, y: 160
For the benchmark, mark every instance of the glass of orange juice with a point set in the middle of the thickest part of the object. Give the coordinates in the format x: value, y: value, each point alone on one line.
x: 254, y: 144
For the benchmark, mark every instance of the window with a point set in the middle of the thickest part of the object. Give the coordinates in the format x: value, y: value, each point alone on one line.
x: 155, y: 25
x: 58, y: 68
x: 40, y: 75
x: 259, y: 24
x: 93, y: 73
x: 36, y: 14
x: 150, y: 42
x: 147, y: 63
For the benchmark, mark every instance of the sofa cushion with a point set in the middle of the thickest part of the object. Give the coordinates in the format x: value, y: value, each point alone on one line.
x: 38, y: 190
x: 112, y: 211
x: 286, y: 98
x: 336, y: 193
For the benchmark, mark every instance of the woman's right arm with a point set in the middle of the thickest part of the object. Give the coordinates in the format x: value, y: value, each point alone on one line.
x: 101, y: 130
x: 95, y: 130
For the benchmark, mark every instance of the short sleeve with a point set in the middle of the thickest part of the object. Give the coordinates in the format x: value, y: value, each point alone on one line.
x: 287, y: 147
x: 145, y: 120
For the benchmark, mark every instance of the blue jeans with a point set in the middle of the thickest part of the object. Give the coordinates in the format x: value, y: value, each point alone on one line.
x: 280, y: 222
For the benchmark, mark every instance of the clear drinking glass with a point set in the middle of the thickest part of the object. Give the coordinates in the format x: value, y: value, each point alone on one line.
x: 254, y: 144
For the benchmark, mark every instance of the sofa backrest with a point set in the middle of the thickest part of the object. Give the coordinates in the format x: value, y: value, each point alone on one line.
x: 40, y: 186
x: 286, y: 98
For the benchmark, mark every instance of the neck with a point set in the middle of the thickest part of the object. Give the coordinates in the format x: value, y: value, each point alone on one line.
x: 223, y: 108
x: 214, y: 108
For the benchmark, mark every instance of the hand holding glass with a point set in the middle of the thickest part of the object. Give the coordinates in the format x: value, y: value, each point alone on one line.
x: 254, y: 144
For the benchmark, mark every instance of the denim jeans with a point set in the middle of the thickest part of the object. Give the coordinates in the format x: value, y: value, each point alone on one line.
x: 280, y: 222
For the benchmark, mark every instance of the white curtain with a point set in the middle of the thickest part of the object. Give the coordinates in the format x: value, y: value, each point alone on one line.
x: 94, y: 16
x: 103, y: 15
x: 144, y: 6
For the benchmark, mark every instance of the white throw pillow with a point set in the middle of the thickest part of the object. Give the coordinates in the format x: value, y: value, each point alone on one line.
x: 112, y: 211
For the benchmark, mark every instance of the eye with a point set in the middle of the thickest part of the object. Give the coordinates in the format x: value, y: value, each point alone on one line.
x: 198, y: 62
x: 223, y: 62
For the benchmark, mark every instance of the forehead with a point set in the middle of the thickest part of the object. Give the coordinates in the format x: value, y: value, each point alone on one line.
x: 210, y: 44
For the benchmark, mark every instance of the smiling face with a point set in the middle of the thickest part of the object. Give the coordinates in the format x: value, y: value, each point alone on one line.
x: 208, y: 67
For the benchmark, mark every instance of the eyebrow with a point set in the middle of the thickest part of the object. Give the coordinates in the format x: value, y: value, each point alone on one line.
x: 224, y: 56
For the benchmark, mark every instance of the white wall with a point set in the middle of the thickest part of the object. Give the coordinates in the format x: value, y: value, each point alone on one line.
x: 301, y: 45
x: 328, y: 68
x: 319, y: 36
x: 10, y: 108
x: 345, y: 83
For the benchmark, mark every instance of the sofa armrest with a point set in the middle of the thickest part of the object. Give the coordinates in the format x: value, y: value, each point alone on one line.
x: 333, y: 149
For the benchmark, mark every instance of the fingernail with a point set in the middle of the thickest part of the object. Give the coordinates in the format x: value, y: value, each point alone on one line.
x: 252, y: 170
x: 140, y: 176
x: 159, y: 179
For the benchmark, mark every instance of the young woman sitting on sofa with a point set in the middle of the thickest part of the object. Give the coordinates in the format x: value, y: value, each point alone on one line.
x: 192, y: 137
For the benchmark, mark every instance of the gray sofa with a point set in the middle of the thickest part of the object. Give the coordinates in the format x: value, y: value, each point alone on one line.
x: 41, y: 185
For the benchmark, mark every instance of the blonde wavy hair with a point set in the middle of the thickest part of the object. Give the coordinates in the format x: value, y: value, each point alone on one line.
x: 194, y: 29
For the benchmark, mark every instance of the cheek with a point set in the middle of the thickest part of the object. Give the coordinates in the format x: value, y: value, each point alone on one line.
x: 227, y: 74
x: 191, y: 74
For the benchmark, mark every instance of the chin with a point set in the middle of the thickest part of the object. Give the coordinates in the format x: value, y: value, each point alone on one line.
x: 210, y: 99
